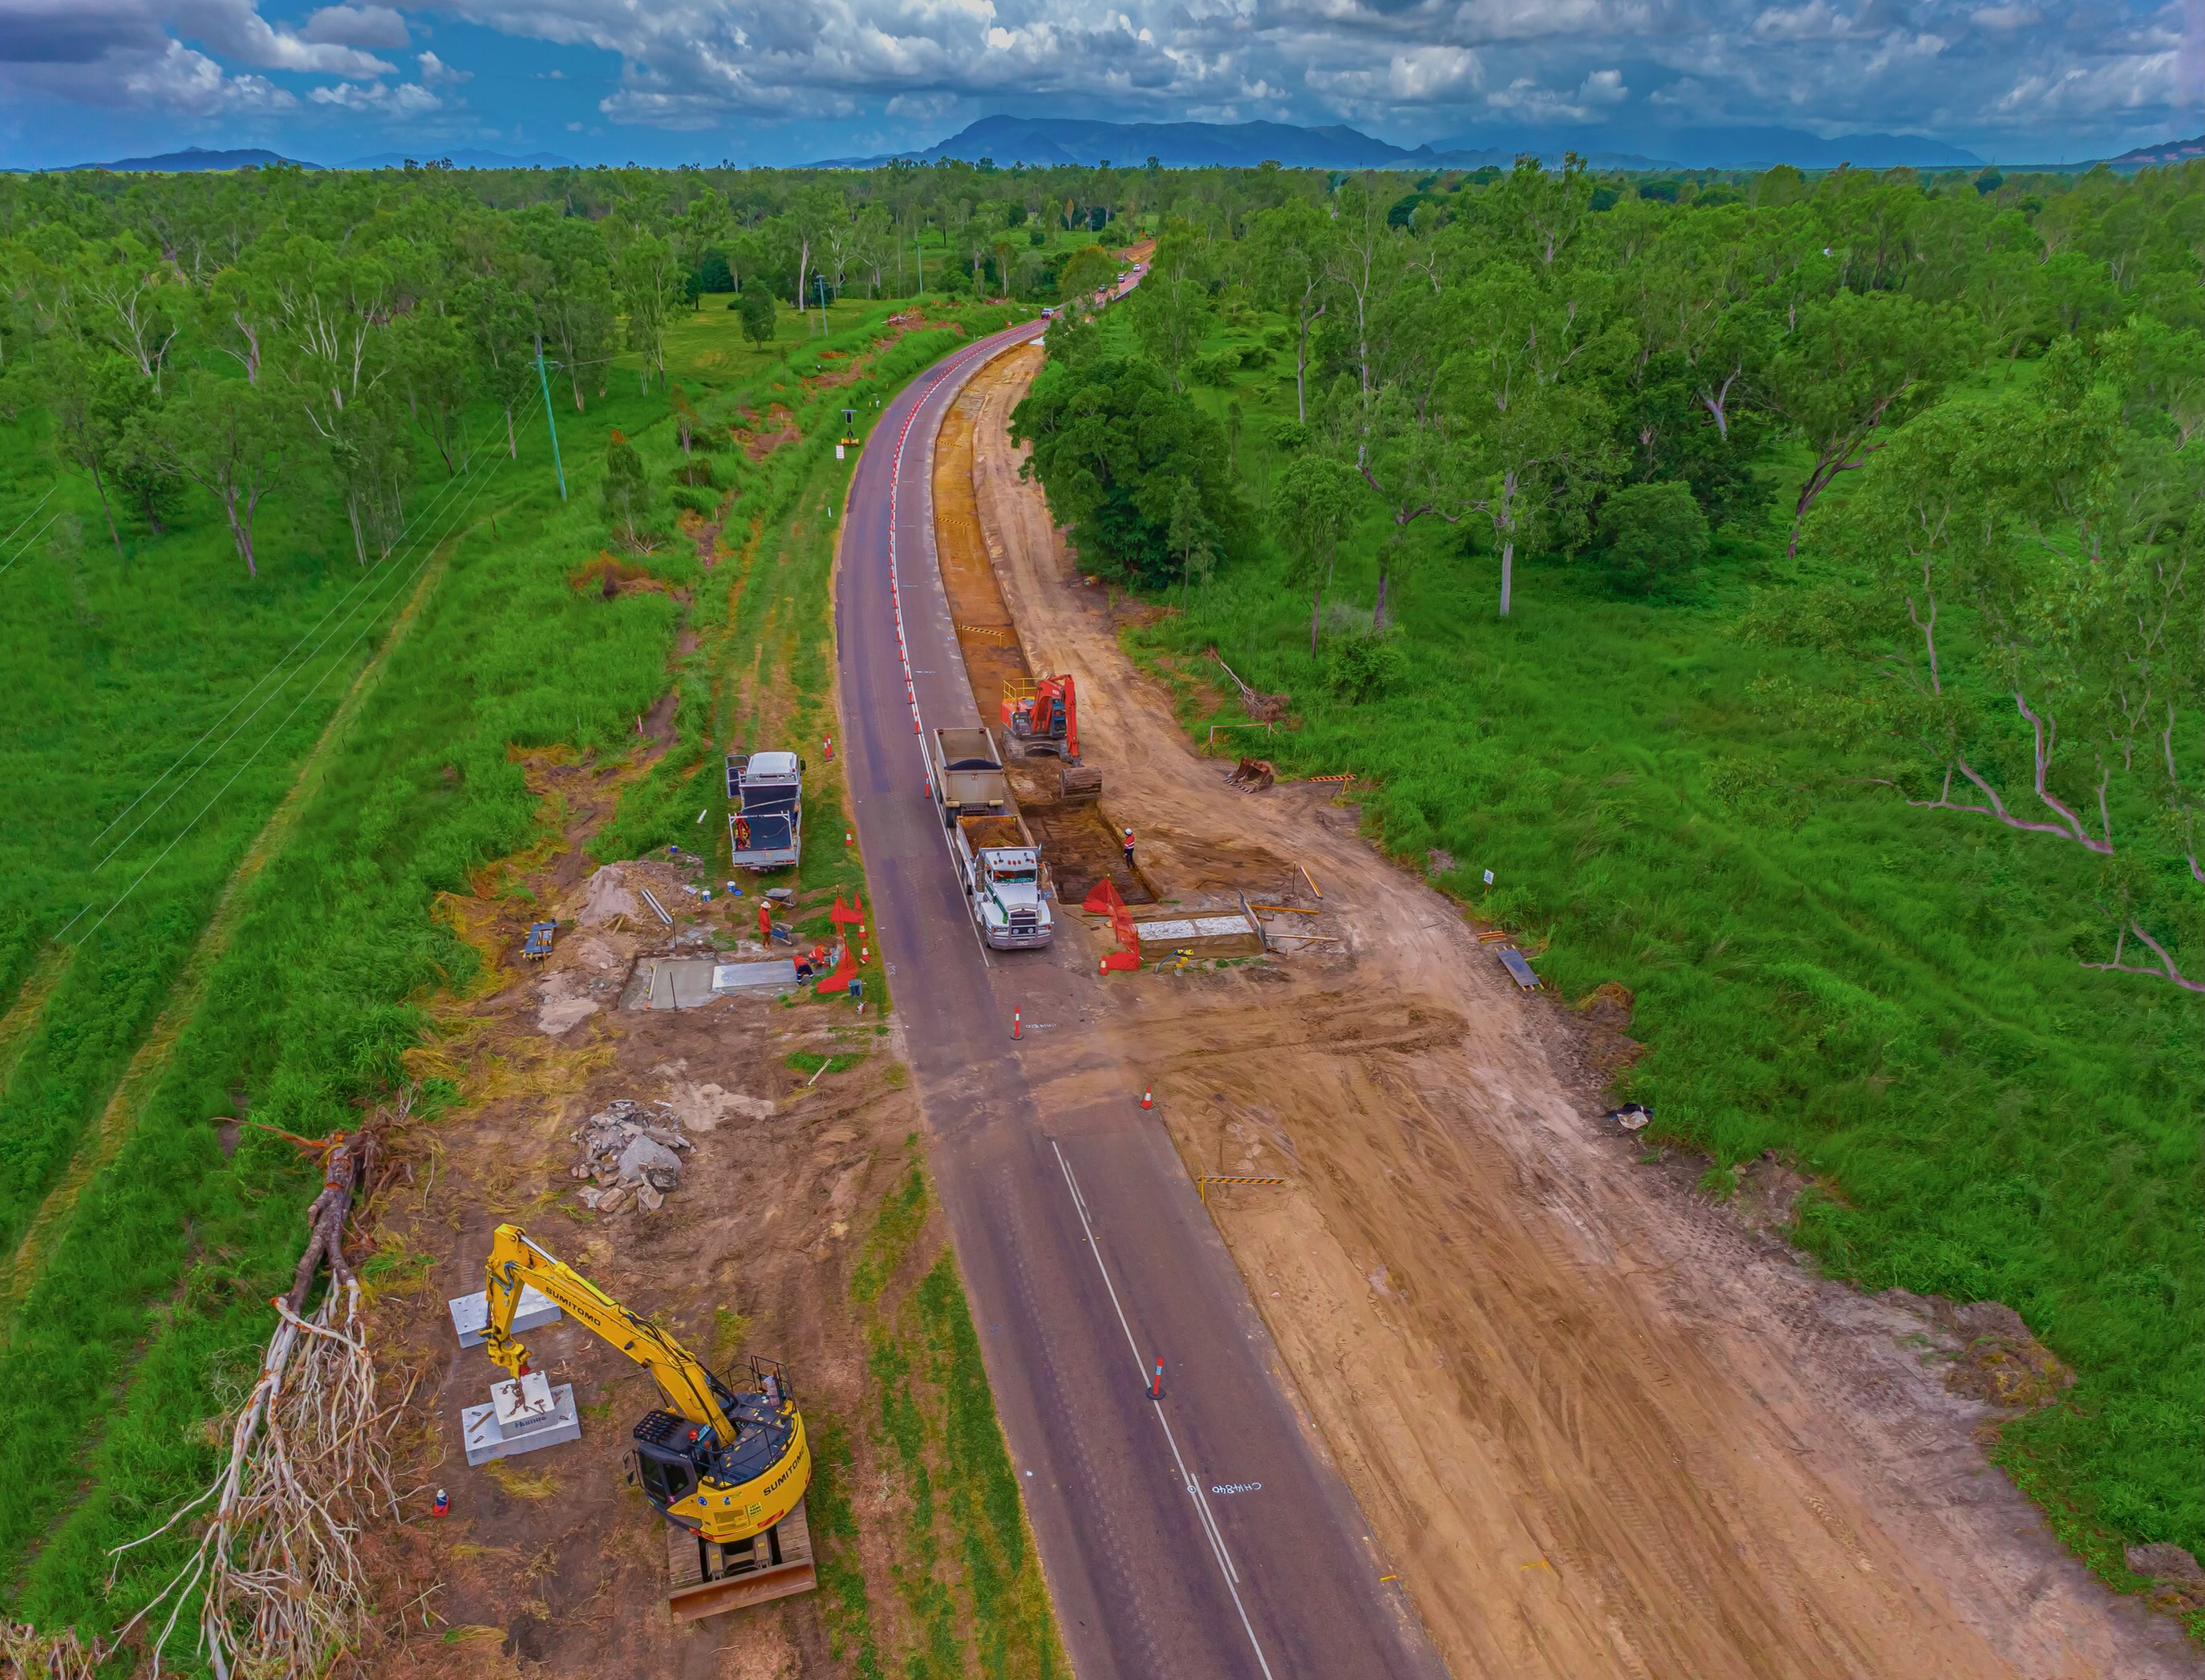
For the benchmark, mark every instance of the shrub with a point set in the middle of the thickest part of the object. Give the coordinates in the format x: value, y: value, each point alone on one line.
x: 1218, y: 369
x: 1652, y: 533
x: 756, y: 306
x: 696, y: 472
x: 695, y: 501
x: 1364, y: 666
x: 626, y: 494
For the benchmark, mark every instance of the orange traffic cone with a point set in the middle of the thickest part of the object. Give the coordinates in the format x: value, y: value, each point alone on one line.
x: 1148, y: 1097
x: 1014, y: 1023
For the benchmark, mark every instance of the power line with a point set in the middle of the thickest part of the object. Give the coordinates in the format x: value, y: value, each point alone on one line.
x: 421, y: 566
x: 32, y: 538
x: 333, y: 631
x: 33, y: 513
x: 366, y: 577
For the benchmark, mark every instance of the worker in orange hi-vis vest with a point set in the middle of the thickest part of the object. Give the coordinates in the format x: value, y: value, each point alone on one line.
x: 1129, y: 850
x: 765, y: 923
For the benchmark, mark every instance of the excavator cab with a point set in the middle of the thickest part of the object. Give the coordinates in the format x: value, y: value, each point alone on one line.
x: 729, y: 1543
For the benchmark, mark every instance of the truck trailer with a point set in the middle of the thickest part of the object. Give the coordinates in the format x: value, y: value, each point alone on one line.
x: 765, y: 810
x: 968, y: 777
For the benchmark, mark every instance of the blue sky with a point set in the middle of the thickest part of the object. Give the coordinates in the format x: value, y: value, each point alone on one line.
x: 778, y: 81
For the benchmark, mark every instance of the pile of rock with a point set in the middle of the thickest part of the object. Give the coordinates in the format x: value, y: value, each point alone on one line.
x: 631, y: 1156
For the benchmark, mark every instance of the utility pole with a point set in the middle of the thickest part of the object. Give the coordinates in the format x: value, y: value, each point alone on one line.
x: 550, y: 426
x: 819, y: 285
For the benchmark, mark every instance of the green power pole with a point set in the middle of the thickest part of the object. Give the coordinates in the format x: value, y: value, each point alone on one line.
x: 550, y: 424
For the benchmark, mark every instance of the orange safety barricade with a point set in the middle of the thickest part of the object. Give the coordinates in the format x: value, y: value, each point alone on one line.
x: 1104, y: 901
x: 845, y: 971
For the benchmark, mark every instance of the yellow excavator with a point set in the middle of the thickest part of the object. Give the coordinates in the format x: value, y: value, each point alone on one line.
x: 728, y: 1470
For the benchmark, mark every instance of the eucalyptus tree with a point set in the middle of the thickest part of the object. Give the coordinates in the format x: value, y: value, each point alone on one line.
x: 1855, y: 367
x: 1292, y: 271
x: 2037, y: 574
x: 231, y: 439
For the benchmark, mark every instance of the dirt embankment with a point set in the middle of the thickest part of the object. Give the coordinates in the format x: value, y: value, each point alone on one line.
x: 1075, y: 834
x: 548, y: 1564
x: 1605, y: 1426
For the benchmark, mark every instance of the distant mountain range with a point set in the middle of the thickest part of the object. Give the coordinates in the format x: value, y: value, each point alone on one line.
x: 2167, y: 151
x: 1733, y: 149
x: 1057, y: 141
x: 193, y: 158
x: 464, y: 158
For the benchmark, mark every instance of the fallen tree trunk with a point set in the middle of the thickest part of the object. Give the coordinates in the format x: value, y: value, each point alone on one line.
x: 276, y: 1578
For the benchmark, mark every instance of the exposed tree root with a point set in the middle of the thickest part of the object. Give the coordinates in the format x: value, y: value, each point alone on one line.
x: 276, y: 1579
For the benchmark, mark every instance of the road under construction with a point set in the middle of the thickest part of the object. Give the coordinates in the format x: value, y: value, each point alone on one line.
x: 1453, y: 1371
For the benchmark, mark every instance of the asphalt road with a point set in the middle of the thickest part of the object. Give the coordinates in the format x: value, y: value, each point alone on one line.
x: 1202, y: 1535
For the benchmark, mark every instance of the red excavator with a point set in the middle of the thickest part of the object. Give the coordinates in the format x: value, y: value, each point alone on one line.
x: 1043, y: 716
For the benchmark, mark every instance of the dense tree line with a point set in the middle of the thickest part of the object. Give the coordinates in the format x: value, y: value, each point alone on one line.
x: 2004, y: 375
x: 234, y: 332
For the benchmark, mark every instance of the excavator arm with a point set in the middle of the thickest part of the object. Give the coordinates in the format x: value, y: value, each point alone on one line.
x: 681, y: 1377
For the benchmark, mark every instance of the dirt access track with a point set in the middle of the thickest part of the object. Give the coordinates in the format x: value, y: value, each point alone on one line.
x: 1608, y: 1427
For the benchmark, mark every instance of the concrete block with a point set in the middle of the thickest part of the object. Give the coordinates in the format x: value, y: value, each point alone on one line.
x: 522, y: 1416
x: 471, y: 1315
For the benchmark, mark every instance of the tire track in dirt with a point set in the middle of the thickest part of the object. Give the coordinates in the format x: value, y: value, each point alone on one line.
x: 1605, y: 1428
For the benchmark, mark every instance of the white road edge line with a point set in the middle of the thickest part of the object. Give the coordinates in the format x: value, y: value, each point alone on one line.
x: 1202, y: 1508
x: 895, y: 591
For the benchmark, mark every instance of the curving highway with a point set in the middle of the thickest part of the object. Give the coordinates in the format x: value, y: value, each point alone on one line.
x: 1200, y: 1537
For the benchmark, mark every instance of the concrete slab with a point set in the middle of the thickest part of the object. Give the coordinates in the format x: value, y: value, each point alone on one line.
x: 681, y: 983
x: 523, y: 1416
x: 1180, y: 930
x: 471, y: 1315
x: 780, y: 972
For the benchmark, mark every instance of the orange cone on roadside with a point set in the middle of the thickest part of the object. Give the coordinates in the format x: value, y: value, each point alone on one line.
x: 1014, y: 1023
x: 1148, y: 1097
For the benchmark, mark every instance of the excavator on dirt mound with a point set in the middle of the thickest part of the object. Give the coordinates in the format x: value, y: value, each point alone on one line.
x: 1043, y: 716
x: 726, y: 1468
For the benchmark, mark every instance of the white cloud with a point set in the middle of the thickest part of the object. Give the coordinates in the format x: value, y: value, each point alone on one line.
x: 1424, y: 74
x: 235, y: 29
x: 356, y: 26
x: 1602, y: 87
x: 191, y: 84
x: 1972, y: 71
x: 435, y: 72
x: 409, y: 98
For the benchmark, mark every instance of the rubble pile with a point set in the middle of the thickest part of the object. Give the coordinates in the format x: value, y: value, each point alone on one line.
x: 630, y: 1154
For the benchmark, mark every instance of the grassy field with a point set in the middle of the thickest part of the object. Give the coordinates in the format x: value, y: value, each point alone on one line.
x: 1889, y: 997
x: 147, y: 1305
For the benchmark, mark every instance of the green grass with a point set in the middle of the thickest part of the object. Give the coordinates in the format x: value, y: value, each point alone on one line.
x: 116, y: 668
x: 128, y: 1335
x: 965, y: 1566
x: 1890, y: 996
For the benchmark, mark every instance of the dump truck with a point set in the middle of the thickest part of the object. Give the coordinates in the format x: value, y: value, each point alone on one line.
x: 1001, y: 867
x: 968, y: 777
x: 765, y: 810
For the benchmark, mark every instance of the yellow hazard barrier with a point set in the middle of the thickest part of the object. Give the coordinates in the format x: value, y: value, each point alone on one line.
x: 1204, y: 1181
